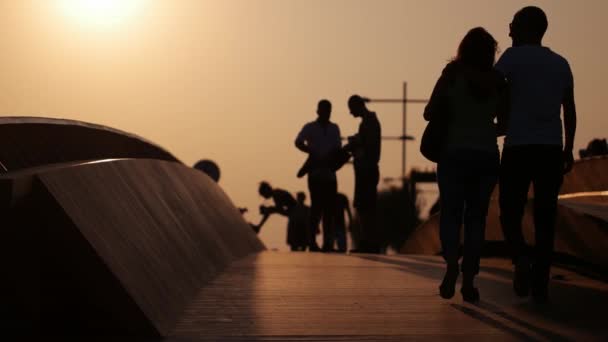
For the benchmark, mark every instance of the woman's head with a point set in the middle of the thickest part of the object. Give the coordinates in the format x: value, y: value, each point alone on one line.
x: 477, y: 49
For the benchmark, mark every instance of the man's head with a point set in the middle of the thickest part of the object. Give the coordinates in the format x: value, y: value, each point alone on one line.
x: 301, y: 196
x: 324, y: 110
x: 265, y: 190
x: 528, y: 26
x: 356, y: 105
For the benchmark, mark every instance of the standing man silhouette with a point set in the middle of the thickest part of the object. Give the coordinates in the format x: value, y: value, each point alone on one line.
x: 540, y: 83
x: 365, y: 146
x: 321, y: 139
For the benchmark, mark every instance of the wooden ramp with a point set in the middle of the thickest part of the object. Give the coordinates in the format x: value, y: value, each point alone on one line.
x: 273, y: 296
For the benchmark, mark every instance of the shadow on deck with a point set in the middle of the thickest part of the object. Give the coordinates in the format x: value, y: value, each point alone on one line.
x: 275, y: 296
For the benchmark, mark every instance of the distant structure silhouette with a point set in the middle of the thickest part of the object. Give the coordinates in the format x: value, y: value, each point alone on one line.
x: 365, y: 147
x: 596, y: 147
x: 466, y: 100
x: 320, y: 139
x: 210, y: 168
x: 541, y: 82
x: 298, y: 226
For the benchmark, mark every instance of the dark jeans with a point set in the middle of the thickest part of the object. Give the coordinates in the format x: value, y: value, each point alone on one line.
x: 341, y: 237
x: 366, y: 187
x: 466, y: 180
x: 542, y: 166
x: 366, y: 195
x: 323, y: 205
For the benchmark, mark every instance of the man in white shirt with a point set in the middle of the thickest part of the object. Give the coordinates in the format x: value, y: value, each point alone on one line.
x: 321, y: 140
x: 540, y: 83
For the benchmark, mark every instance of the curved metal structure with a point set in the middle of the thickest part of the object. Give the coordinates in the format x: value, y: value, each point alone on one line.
x: 27, y: 142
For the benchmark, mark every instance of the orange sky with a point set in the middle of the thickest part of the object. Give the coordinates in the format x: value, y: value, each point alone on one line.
x: 234, y: 81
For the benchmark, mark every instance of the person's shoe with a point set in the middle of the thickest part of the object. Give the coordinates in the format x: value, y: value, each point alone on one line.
x: 327, y: 249
x: 448, y: 285
x: 470, y: 294
x: 314, y: 248
x: 540, y: 285
x: 521, y: 277
x: 358, y: 250
x: 540, y: 296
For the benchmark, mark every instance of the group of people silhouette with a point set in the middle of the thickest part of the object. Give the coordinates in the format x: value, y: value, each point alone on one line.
x: 475, y: 100
x: 321, y: 140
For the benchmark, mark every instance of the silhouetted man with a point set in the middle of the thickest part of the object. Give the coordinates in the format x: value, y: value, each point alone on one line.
x: 284, y: 203
x: 298, y: 227
x: 365, y: 146
x: 321, y: 139
x: 540, y: 83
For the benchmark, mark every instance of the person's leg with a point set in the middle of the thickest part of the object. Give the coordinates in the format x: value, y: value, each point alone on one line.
x: 366, y: 182
x: 330, y: 190
x: 514, y: 182
x: 547, y: 182
x: 451, y: 195
x: 315, y: 211
x: 479, y: 185
x: 341, y: 238
x: 370, y: 231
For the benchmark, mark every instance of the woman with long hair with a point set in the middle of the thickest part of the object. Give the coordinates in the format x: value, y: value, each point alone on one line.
x: 466, y: 100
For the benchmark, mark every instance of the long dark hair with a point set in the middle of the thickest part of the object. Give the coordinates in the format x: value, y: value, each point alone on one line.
x: 477, y: 49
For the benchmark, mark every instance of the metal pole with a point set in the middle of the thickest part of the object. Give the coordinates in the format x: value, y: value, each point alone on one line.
x: 404, y: 130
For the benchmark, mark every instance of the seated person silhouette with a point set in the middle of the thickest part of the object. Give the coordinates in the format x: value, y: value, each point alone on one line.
x: 284, y: 203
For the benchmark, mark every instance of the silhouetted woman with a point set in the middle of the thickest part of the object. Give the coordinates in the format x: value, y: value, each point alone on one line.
x: 466, y: 99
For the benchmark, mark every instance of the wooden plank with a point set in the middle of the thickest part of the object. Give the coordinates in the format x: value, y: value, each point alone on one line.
x: 277, y: 296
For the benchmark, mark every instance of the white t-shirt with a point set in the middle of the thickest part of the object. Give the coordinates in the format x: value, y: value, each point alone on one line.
x: 321, y: 140
x: 538, y: 79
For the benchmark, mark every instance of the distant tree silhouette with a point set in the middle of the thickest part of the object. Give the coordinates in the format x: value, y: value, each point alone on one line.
x: 397, y: 216
x: 596, y: 147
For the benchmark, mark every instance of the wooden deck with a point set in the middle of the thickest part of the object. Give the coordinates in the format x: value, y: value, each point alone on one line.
x: 274, y: 296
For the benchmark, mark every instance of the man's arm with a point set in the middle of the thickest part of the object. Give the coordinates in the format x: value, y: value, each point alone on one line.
x: 338, y: 137
x: 569, y: 128
x: 301, y: 140
x: 502, y: 112
x: 265, y: 215
x: 302, y: 146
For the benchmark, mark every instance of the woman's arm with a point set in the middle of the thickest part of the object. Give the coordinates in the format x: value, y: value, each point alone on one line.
x: 438, y: 101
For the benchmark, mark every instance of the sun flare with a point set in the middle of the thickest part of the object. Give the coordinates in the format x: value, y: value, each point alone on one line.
x: 101, y: 13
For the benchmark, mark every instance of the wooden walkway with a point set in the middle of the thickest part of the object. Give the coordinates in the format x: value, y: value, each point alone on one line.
x: 274, y: 296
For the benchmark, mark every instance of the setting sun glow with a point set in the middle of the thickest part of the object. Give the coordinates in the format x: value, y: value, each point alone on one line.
x: 101, y: 13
